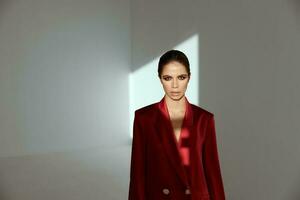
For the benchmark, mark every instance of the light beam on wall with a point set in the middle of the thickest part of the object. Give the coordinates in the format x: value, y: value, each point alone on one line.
x: 145, y: 87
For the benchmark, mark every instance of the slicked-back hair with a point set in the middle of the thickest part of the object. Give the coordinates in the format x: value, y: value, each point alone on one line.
x: 170, y: 56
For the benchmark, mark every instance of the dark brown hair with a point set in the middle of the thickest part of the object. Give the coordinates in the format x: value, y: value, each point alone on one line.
x: 173, y: 55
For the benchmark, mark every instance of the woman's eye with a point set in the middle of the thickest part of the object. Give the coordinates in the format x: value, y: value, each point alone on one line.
x: 167, y: 78
x: 181, y: 77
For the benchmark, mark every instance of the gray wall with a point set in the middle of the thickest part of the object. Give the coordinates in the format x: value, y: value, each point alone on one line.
x: 249, y: 77
x: 64, y: 68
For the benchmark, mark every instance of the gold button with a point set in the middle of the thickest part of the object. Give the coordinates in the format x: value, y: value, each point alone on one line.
x: 187, y: 191
x: 166, y: 191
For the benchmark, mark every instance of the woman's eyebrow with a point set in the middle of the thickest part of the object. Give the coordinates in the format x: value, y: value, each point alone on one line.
x: 178, y: 75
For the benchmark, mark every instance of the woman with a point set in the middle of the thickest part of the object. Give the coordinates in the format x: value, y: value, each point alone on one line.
x: 174, y: 148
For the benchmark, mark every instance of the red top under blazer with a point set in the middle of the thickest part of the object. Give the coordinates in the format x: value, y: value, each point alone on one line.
x: 158, y: 166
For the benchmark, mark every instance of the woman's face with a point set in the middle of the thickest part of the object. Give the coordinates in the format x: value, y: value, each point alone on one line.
x: 174, y: 79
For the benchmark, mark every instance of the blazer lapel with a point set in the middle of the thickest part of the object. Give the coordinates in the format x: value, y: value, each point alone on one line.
x: 167, y: 138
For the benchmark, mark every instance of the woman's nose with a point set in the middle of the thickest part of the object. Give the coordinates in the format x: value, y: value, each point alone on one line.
x: 174, y: 84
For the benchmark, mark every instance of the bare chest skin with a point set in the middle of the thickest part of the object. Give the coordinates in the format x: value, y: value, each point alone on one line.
x: 177, y: 120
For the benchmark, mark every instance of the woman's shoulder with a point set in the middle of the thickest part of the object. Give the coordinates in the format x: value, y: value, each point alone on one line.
x: 146, y: 110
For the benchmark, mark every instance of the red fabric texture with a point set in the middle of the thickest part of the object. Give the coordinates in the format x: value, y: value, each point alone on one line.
x: 162, y: 168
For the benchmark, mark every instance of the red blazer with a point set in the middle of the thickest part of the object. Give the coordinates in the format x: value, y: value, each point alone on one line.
x: 156, y: 170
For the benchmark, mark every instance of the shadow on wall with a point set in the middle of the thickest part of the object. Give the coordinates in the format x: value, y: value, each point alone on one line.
x: 295, y: 5
x: 294, y: 193
x: 2, y: 195
x: 4, y: 4
x: 291, y: 190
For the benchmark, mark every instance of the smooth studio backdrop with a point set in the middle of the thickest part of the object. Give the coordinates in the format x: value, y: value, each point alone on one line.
x: 64, y: 91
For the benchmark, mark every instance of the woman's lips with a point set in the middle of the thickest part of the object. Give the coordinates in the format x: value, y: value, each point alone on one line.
x: 175, y: 93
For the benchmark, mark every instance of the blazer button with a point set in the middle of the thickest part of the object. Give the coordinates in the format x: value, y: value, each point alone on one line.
x: 166, y: 191
x: 187, y: 191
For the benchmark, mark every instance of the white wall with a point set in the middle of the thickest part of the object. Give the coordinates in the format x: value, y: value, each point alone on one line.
x: 64, y: 99
x: 249, y: 69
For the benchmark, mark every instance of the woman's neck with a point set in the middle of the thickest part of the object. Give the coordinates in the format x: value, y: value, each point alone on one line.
x: 175, y: 105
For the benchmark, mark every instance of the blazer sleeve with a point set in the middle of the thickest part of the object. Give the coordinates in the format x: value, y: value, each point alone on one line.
x: 137, y: 166
x: 211, y: 162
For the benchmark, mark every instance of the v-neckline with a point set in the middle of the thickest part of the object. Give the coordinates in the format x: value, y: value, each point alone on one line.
x: 178, y: 142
